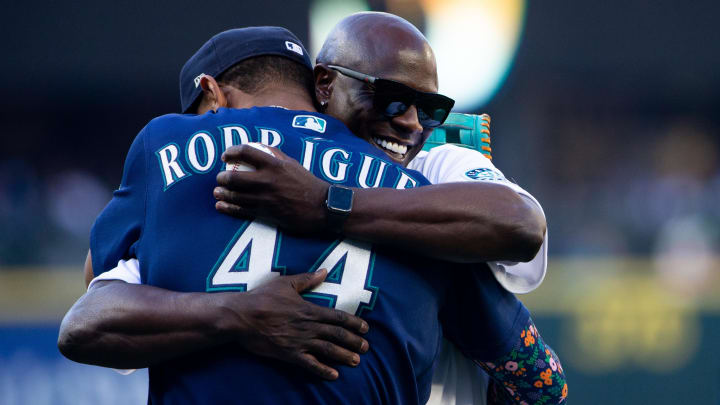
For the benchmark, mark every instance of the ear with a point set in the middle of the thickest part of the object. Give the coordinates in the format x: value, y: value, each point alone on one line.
x: 213, y: 96
x: 324, y: 83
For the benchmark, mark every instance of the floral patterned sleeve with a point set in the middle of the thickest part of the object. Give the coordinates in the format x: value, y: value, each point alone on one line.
x: 530, y: 374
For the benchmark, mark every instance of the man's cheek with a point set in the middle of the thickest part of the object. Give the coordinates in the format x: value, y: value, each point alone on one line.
x: 425, y: 135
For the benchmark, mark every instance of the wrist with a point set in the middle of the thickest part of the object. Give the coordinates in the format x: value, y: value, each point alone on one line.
x: 220, y: 311
x: 338, y: 206
x: 319, y: 207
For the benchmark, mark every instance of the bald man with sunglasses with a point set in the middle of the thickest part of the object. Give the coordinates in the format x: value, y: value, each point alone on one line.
x: 395, y: 100
x: 371, y: 94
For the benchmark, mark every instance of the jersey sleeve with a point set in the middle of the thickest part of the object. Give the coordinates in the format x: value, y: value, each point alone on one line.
x: 530, y: 371
x: 126, y: 270
x: 118, y: 228
x: 450, y: 163
x: 480, y: 317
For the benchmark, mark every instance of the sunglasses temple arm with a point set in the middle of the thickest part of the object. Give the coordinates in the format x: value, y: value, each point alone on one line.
x: 354, y: 74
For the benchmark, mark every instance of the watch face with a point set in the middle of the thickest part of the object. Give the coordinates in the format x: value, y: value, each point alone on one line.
x: 340, y: 199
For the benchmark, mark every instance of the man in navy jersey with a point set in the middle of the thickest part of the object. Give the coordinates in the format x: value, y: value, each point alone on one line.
x: 164, y: 215
x: 174, y: 171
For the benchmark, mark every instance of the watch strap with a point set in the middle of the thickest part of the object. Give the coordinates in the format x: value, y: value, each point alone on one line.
x: 338, y: 206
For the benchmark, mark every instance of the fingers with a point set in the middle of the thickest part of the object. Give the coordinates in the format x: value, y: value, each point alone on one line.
x: 234, y: 203
x: 343, y: 338
x: 248, y: 154
x: 331, y: 352
x: 311, y: 363
x: 280, y: 154
x: 246, y: 181
x: 233, y: 210
x: 305, y: 281
x: 328, y: 352
x: 241, y: 198
x: 340, y: 318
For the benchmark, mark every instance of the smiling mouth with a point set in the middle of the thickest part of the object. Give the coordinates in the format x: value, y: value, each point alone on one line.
x: 393, y: 149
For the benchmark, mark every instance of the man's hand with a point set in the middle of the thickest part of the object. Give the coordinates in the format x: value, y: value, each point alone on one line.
x: 126, y: 326
x: 281, y: 325
x: 280, y: 190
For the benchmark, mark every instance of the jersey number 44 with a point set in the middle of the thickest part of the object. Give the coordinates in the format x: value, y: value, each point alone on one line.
x: 250, y: 260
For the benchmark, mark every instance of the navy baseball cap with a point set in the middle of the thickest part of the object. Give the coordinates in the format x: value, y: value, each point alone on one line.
x: 230, y: 47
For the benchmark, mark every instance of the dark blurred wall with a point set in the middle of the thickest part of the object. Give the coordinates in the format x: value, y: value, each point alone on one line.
x: 610, y: 117
x: 78, y: 81
x: 81, y: 78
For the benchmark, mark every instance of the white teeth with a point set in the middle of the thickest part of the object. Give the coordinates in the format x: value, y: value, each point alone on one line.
x: 391, y: 146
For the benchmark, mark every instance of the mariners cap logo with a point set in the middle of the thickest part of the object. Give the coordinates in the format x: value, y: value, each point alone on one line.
x: 292, y: 46
x: 197, y: 79
x: 311, y: 122
x: 484, y: 173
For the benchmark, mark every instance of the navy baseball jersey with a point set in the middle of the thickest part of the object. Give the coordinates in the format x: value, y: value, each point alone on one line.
x: 164, y: 214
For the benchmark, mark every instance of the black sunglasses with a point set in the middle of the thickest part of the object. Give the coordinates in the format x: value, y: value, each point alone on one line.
x: 393, y: 99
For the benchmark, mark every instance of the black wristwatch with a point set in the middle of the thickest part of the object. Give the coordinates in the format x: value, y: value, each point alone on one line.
x: 338, y: 205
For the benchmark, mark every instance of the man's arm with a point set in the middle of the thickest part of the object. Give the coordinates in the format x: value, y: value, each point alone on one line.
x: 491, y: 327
x: 531, y: 368
x: 460, y: 222
x: 121, y: 325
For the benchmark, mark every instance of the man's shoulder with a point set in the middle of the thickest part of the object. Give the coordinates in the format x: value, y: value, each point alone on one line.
x: 222, y: 115
x: 447, y: 156
x: 307, y: 123
x: 167, y: 122
x: 454, y: 151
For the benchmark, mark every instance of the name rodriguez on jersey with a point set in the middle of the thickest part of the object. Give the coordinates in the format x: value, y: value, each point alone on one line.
x: 200, y: 154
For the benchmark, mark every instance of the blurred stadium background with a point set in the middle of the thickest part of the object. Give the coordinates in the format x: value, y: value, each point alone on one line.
x: 608, y: 112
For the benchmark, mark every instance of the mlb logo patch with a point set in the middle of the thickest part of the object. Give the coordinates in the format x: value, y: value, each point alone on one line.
x: 310, y: 122
x: 292, y: 46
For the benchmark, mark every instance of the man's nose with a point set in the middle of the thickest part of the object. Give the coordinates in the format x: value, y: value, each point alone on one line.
x: 408, y: 122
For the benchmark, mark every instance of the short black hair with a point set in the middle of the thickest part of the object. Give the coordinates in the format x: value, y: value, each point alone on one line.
x: 253, y: 74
